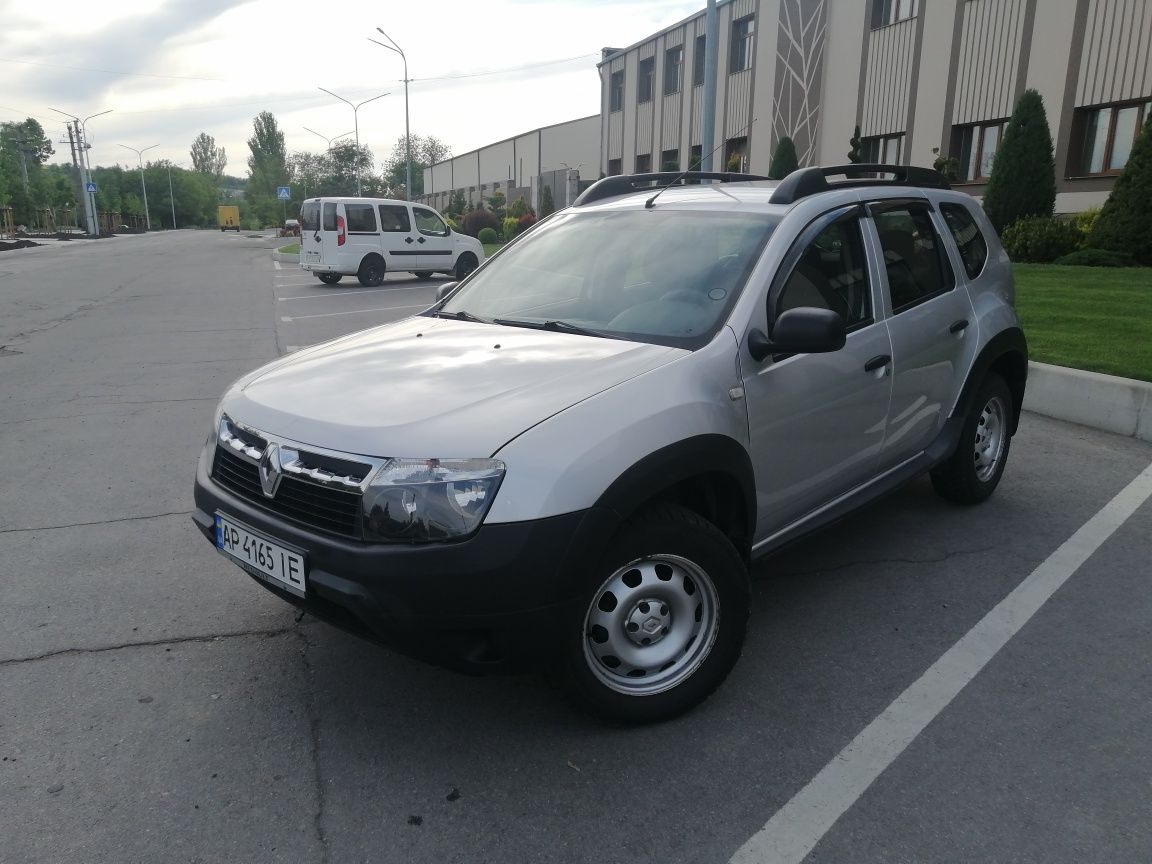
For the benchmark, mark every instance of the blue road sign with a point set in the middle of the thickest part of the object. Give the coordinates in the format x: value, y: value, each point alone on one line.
x: 284, y: 193
x: 89, y: 187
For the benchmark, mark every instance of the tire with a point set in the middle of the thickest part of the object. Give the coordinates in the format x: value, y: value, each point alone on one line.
x: 329, y: 278
x: 634, y: 651
x: 371, y: 272
x: 423, y: 274
x: 972, y: 473
x: 465, y: 264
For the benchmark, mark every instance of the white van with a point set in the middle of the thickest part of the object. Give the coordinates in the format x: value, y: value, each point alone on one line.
x: 368, y: 237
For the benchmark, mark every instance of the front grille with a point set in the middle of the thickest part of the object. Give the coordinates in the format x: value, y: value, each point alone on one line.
x: 310, y: 504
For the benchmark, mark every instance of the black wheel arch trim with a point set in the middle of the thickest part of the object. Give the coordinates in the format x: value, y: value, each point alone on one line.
x: 1007, y: 353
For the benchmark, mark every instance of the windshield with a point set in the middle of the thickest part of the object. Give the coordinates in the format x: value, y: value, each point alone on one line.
x: 662, y: 276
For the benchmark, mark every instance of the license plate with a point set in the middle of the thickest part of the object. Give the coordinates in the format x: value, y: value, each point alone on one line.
x: 259, y: 556
x: 311, y: 256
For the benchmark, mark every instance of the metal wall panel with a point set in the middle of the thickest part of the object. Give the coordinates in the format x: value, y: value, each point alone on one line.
x: 670, y: 136
x: 615, y: 133
x: 739, y: 108
x: 888, y: 79
x: 1117, y: 42
x: 989, y: 59
x: 644, y: 127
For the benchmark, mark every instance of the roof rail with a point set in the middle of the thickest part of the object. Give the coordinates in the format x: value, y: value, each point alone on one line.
x: 623, y: 184
x: 808, y: 181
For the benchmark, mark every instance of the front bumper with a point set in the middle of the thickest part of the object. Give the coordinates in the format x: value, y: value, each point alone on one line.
x: 494, y: 602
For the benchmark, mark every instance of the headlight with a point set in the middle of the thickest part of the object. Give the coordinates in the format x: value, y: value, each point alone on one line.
x: 421, y: 500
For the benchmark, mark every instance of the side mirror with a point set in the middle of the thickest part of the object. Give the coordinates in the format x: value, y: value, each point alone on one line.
x: 445, y: 289
x: 806, y: 330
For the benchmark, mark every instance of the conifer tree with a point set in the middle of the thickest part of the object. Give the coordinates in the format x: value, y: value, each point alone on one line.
x: 1125, y: 222
x: 1023, y: 180
x: 784, y: 160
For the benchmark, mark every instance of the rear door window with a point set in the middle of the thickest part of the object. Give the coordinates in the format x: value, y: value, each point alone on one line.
x: 310, y: 216
x: 361, y: 218
x: 394, y: 218
x: 914, y: 260
x: 330, y: 216
x: 971, y: 243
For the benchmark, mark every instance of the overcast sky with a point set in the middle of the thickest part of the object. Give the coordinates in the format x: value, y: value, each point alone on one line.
x: 170, y: 69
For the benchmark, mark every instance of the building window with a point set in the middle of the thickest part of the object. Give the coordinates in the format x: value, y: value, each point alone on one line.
x: 885, y: 12
x: 673, y: 69
x: 695, y: 157
x: 670, y: 160
x: 740, y: 54
x: 1105, y: 136
x: 615, y: 166
x: 698, y: 62
x: 644, y: 80
x: 644, y: 163
x: 884, y: 149
x: 616, y: 92
x: 976, y: 148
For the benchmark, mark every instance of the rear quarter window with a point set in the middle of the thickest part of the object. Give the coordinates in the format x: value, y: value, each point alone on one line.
x: 969, y: 239
x: 310, y: 216
x: 330, y: 216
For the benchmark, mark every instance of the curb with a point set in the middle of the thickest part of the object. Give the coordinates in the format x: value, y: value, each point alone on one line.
x: 1119, y: 405
x: 284, y: 256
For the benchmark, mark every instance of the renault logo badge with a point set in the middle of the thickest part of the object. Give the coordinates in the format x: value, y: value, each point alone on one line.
x: 271, y: 471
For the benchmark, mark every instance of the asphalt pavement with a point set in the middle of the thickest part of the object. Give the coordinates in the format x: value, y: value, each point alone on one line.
x: 157, y: 705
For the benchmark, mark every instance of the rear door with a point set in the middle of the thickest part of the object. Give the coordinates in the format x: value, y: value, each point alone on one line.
x: 434, y: 240
x: 398, y: 236
x: 310, y: 237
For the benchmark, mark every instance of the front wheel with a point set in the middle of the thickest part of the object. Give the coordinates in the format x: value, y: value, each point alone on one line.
x: 371, y: 271
x: 663, y: 620
x: 465, y: 265
x: 329, y: 278
x: 972, y: 473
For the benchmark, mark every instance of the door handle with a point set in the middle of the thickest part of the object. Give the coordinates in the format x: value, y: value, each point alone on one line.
x: 419, y: 239
x: 877, y: 362
x: 407, y: 239
x: 957, y: 326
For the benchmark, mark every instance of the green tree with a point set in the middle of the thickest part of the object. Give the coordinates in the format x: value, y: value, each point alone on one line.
x: 23, y: 150
x: 456, y: 203
x: 1125, y: 221
x: 426, y: 151
x: 547, y: 205
x: 207, y: 158
x: 784, y: 160
x: 267, y: 169
x: 1023, y: 180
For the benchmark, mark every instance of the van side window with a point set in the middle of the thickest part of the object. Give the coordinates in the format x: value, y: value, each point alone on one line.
x: 361, y: 218
x: 310, y: 216
x: 973, y: 247
x: 330, y: 216
x: 393, y: 218
x: 428, y: 222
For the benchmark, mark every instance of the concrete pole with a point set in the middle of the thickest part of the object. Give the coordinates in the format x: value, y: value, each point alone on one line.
x: 711, y: 43
x: 171, y: 197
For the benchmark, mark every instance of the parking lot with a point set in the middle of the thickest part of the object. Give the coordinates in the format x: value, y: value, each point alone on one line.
x: 158, y: 705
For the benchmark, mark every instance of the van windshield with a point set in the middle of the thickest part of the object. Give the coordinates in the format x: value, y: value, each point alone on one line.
x: 310, y: 216
x: 663, y: 276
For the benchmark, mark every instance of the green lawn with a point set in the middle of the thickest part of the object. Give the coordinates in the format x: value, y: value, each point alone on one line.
x: 491, y: 249
x: 1094, y: 318
x: 290, y: 249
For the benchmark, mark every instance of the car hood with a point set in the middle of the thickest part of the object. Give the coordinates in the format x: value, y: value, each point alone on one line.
x: 429, y: 387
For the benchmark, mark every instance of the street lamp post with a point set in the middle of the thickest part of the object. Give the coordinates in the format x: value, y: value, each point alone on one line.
x: 329, y: 140
x: 355, y: 119
x: 407, y: 133
x: 143, y: 187
x: 171, y: 197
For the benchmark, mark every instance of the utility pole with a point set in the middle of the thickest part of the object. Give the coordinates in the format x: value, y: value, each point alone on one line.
x: 711, y: 42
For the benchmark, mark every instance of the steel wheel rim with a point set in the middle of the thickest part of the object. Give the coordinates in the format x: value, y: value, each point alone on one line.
x: 664, y: 599
x: 990, y: 436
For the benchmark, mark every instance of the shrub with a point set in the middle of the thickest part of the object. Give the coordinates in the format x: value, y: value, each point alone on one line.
x: 1085, y: 220
x: 1023, y: 181
x: 477, y: 219
x: 487, y: 235
x: 1125, y: 221
x: 783, y: 160
x: 1039, y: 239
x: 525, y: 222
x: 452, y: 223
x: 511, y: 227
x: 1096, y: 258
x: 547, y: 204
x: 518, y: 208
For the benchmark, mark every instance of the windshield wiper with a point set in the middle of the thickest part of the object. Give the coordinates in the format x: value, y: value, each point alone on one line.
x: 555, y: 326
x: 462, y: 315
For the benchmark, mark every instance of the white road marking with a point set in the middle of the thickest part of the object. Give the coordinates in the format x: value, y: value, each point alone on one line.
x: 352, y: 312
x: 350, y: 293
x: 276, y: 264
x: 799, y: 825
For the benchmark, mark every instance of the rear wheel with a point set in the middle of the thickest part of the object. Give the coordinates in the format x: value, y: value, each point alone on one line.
x: 663, y: 619
x: 465, y: 265
x: 974, y: 470
x: 329, y: 278
x: 423, y: 274
x: 371, y: 271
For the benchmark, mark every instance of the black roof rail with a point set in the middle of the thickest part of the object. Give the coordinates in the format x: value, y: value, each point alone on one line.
x: 808, y: 181
x: 623, y: 184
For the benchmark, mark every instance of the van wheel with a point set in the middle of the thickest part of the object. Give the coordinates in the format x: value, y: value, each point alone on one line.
x: 465, y: 265
x: 423, y: 274
x: 662, y: 621
x: 329, y: 278
x: 371, y: 272
x: 972, y: 473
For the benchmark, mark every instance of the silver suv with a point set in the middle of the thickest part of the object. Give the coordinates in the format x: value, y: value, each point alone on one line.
x: 572, y: 459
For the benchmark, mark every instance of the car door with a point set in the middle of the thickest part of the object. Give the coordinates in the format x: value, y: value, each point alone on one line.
x: 816, y: 421
x: 398, y: 236
x: 434, y: 240
x: 930, y: 322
